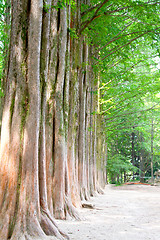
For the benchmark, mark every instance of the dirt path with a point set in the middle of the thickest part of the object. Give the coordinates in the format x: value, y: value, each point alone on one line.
x: 122, y: 213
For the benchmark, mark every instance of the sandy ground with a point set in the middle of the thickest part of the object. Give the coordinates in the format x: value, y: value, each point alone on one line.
x: 129, y: 212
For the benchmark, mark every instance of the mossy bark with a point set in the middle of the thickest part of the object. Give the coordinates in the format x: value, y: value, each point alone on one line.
x: 59, y: 128
x: 48, y: 157
x: 24, y: 211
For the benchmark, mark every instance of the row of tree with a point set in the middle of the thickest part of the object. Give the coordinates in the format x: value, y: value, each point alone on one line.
x: 70, y: 85
x: 50, y: 160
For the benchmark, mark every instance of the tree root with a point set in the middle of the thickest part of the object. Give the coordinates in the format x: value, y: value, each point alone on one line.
x: 88, y: 205
x: 84, y: 194
x: 4, y: 226
x: 25, y: 236
x: 94, y: 194
x: 70, y: 209
x: 32, y: 229
x: 100, y: 191
x: 50, y: 227
x: 27, y: 229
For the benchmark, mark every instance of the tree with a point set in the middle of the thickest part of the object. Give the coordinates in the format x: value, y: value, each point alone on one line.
x: 39, y: 163
x: 24, y: 210
x: 66, y: 92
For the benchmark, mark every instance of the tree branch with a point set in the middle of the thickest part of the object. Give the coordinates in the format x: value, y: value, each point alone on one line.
x: 130, y: 113
x: 139, y: 62
x: 123, y: 8
x: 107, y: 12
x: 115, y: 39
x: 92, y: 8
x: 124, y: 98
x: 94, y: 16
x: 127, y: 44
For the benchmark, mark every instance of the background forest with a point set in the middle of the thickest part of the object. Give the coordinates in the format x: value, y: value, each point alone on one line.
x: 79, y: 106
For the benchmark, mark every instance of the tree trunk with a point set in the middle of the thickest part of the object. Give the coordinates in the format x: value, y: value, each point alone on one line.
x: 52, y: 67
x: 133, y: 152
x: 91, y: 169
x: 59, y: 140
x: 49, y: 159
x: 23, y: 181
x: 82, y: 108
x: 152, y: 134
x: 11, y: 123
x: 73, y: 127
x: 70, y: 209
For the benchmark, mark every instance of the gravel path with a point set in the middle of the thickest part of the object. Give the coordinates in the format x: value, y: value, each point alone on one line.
x: 130, y: 212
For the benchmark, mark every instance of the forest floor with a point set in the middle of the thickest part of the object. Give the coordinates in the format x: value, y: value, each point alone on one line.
x: 128, y: 212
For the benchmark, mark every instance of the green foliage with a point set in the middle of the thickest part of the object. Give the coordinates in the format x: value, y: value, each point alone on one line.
x: 60, y: 5
x: 4, y: 38
x: 118, y: 163
x: 73, y: 33
x: 126, y: 37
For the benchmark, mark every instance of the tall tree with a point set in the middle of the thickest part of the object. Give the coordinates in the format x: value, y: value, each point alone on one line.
x: 23, y: 206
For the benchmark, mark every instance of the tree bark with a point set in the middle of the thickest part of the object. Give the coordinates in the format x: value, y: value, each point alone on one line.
x: 81, y: 143
x: 11, y: 125
x: 73, y: 125
x: 133, y: 152
x: 52, y: 68
x: 59, y: 144
x: 24, y: 210
x: 49, y: 159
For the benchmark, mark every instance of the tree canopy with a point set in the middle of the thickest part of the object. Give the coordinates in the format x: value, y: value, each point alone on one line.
x: 125, y: 36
